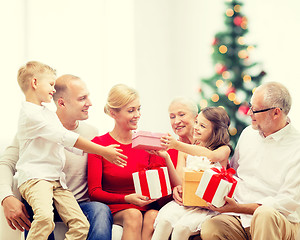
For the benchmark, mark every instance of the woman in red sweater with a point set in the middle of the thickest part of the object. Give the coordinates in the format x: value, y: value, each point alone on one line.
x: 113, y: 185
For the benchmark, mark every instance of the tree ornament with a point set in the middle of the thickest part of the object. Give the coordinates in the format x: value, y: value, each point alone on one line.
x: 230, y: 90
x: 220, y: 68
x: 238, y: 20
x: 215, y: 41
x: 262, y: 73
x: 243, y: 109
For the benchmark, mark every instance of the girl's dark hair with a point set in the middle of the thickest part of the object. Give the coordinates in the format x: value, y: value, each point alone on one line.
x: 220, y: 122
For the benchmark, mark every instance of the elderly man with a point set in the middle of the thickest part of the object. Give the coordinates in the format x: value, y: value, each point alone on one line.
x: 72, y: 102
x: 266, y: 202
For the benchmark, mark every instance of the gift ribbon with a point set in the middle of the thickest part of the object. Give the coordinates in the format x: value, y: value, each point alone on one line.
x: 155, y: 165
x: 152, y: 165
x: 225, y: 174
x: 215, y: 181
x: 163, y: 182
x: 144, y: 184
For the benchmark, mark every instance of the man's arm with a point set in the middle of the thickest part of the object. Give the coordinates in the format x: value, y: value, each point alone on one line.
x: 14, y: 210
x: 8, y: 162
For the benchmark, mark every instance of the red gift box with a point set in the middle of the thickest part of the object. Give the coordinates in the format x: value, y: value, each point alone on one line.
x: 153, y: 183
x: 215, y: 184
x: 147, y: 140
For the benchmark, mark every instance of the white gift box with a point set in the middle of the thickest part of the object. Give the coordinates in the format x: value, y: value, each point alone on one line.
x: 153, y: 183
x: 214, y: 186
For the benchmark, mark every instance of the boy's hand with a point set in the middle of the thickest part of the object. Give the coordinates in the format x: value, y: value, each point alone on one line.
x: 114, y: 155
x: 168, y: 141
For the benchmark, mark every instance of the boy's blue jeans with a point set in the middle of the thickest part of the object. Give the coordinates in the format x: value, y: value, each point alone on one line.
x: 99, y: 217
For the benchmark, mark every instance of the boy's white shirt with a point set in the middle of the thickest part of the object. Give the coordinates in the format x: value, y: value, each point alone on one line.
x: 75, y: 167
x: 42, y: 139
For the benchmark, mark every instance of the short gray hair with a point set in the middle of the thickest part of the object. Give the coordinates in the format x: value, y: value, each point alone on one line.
x: 191, y: 105
x: 276, y: 95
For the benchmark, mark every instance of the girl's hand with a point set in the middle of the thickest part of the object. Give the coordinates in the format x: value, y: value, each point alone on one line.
x: 138, y: 199
x: 160, y: 153
x: 152, y: 152
x: 177, y: 194
x: 168, y: 141
x: 114, y: 155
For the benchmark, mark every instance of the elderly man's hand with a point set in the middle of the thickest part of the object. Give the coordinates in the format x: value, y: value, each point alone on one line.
x: 230, y: 206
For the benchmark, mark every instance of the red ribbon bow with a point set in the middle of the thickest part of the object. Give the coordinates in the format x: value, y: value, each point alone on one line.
x: 215, y: 180
x: 155, y: 165
x: 225, y: 174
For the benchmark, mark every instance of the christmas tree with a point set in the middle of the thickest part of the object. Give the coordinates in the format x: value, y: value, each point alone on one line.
x: 235, y: 77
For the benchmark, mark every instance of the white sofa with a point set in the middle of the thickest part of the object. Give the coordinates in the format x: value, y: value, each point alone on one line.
x: 6, y: 233
x: 60, y: 230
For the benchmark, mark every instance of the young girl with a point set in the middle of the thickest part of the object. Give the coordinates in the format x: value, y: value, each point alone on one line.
x: 211, y: 139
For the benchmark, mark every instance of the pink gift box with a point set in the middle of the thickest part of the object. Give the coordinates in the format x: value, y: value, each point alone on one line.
x: 147, y: 140
x: 215, y: 184
x: 153, y: 183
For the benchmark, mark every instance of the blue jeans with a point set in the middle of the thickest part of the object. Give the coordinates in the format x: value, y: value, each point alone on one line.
x: 99, y: 216
x: 100, y: 220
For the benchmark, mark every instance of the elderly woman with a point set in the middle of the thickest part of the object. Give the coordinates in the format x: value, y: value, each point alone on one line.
x: 183, y: 112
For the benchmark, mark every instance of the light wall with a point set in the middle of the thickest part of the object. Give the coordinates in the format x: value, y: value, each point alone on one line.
x: 160, y: 47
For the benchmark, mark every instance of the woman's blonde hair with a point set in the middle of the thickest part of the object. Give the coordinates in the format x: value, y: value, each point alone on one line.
x: 119, y: 96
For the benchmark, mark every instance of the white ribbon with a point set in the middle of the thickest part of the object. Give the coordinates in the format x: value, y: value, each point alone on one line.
x: 197, y: 163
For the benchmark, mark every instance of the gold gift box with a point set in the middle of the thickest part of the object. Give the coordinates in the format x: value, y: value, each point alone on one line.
x: 191, y: 181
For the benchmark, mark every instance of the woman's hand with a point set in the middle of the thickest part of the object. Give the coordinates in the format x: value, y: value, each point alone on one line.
x: 177, y: 194
x: 138, y: 199
x: 168, y: 141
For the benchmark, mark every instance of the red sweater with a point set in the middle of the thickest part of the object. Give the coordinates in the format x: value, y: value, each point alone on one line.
x: 109, y: 183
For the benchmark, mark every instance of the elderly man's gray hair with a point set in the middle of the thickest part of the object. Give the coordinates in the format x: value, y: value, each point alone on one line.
x: 276, y: 95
